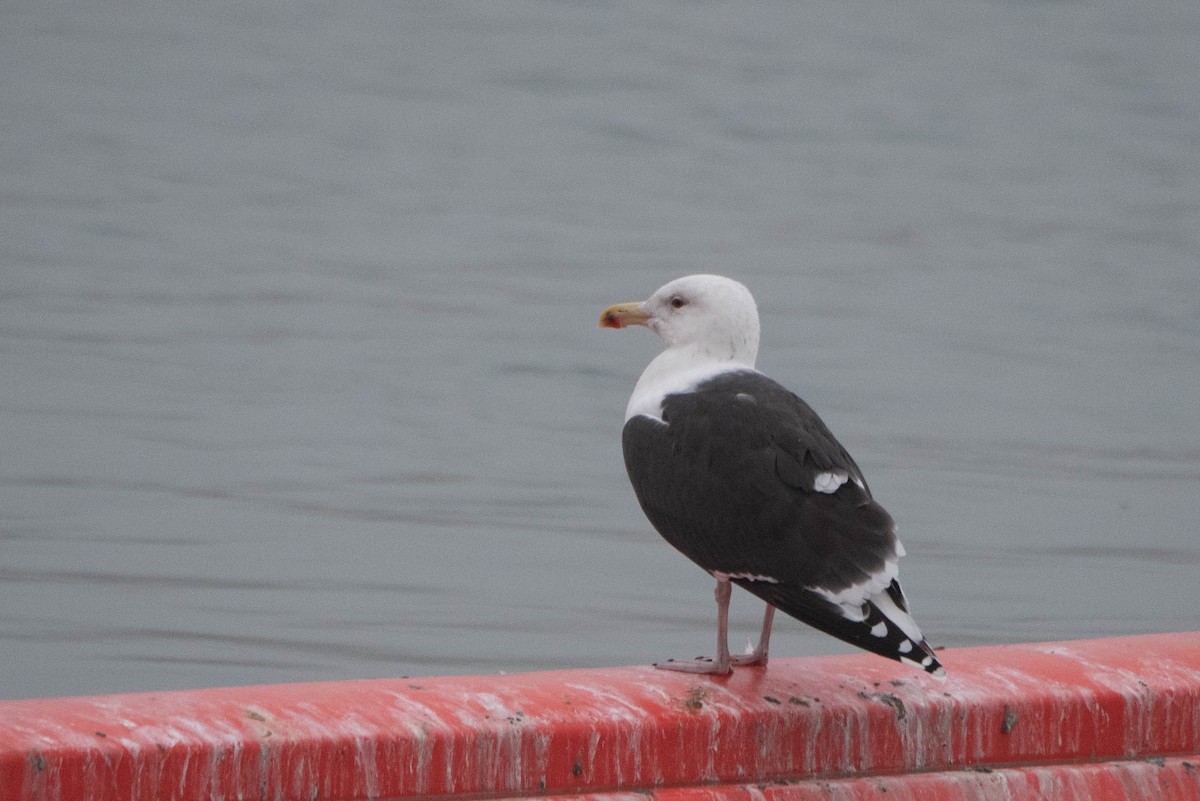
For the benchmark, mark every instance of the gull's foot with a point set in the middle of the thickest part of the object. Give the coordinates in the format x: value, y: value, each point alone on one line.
x: 701, y: 664
x: 748, y: 660
x: 745, y: 660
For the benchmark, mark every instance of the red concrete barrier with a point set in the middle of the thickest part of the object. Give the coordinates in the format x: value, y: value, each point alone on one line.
x: 1100, y: 719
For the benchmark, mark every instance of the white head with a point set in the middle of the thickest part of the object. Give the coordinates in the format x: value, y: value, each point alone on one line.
x: 713, y: 317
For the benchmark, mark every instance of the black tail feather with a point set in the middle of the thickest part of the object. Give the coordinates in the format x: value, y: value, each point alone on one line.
x: 875, y: 632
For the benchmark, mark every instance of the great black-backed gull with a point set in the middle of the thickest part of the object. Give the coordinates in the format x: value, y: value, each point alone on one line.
x: 744, y: 479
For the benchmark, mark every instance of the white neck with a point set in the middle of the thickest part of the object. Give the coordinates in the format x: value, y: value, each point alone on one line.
x: 679, y: 369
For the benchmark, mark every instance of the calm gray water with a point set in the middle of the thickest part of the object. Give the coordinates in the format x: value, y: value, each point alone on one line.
x: 301, y: 375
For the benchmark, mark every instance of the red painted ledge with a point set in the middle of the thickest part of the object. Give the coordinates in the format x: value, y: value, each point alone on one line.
x: 1096, y: 719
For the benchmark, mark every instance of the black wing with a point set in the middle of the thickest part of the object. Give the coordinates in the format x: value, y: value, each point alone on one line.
x: 730, y: 478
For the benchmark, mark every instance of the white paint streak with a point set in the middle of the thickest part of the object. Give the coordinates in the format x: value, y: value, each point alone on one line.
x: 589, y: 769
x: 635, y: 720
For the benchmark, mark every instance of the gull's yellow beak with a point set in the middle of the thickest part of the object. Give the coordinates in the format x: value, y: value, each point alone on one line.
x: 623, y: 314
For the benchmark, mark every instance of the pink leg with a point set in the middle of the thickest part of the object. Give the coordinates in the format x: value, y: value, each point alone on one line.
x: 722, y: 665
x: 759, y: 655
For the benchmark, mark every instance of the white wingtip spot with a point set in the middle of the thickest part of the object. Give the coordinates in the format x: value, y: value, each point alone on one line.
x: 879, y: 629
x: 902, y: 620
x: 938, y: 673
x: 830, y: 481
x: 905, y: 646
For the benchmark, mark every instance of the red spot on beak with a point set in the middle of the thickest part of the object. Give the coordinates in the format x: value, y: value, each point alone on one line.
x: 623, y: 315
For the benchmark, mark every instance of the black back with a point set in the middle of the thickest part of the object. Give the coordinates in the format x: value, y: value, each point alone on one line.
x: 727, y: 477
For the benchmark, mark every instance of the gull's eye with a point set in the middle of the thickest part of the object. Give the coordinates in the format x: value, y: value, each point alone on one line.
x: 677, y: 302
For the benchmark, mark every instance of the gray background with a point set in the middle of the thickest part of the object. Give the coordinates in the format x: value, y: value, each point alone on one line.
x: 301, y: 375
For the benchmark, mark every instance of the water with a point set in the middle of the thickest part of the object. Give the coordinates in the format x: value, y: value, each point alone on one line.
x: 301, y: 372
